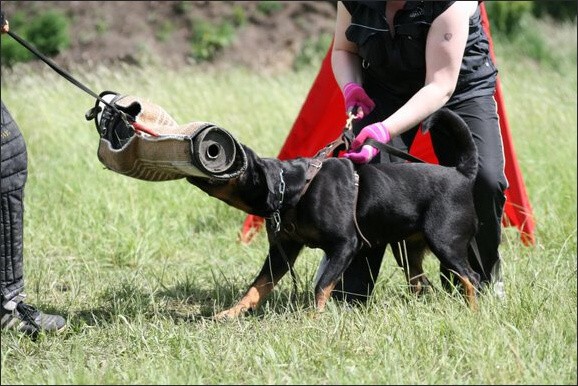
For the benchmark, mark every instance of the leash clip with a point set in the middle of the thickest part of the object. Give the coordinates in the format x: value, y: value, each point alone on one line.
x: 276, y: 219
x: 281, y: 187
x: 349, y: 122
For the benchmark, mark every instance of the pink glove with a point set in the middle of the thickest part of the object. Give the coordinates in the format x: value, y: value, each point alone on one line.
x: 376, y: 131
x: 355, y: 97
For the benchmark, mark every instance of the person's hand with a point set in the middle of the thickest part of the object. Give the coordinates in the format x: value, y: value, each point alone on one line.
x: 356, y: 98
x: 4, y: 23
x: 362, y: 154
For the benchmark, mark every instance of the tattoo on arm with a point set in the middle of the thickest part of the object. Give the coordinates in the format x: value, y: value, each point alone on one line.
x: 448, y: 36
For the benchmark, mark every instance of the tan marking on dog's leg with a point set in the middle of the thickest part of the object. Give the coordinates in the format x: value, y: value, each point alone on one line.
x: 415, y: 284
x: 250, y: 301
x: 418, y: 283
x: 323, y: 296
x: 470, y: 292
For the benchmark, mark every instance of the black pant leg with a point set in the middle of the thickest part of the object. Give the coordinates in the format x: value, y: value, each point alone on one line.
x: 13, y: 164
x: 489, y: 189
x: 358, y: 280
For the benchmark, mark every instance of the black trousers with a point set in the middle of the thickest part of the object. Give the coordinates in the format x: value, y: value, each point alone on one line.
x: 480, y: 114
x: 13, y: 165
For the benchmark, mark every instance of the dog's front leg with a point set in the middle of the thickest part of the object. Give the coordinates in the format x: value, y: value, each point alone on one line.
x: 260, y: 288
x: 276, y: 265
x: 323, y: 294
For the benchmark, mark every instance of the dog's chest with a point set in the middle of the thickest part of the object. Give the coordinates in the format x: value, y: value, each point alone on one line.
x: 293, y: 225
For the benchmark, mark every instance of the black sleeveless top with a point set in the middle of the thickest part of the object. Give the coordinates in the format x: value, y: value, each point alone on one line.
x: 397, y: 64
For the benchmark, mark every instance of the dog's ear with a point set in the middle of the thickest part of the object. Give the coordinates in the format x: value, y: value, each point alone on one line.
x: 267, y: 173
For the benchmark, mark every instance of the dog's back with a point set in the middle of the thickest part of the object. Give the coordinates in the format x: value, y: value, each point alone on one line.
x: 426, y: 204
x: 399, y: 199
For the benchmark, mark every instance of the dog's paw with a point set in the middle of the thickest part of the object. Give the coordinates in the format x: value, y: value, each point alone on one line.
x: 231, y: 314
x: 420, y: 286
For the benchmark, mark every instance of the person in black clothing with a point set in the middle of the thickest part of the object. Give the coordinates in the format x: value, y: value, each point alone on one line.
x: 396, y: 63
x: 15, y: 313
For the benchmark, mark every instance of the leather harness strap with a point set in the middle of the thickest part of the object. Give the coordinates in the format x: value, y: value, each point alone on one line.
x: 343, y: 142
x: 356, y: 182
x: 333, y: 149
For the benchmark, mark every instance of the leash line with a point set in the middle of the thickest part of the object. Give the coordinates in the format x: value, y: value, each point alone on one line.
x: 392, y: 150
x: 59, y: 70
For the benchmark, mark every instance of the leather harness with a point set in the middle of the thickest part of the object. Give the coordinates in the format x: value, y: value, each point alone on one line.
x: 343, y: 142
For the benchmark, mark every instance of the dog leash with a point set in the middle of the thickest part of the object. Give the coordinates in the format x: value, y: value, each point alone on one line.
x: 124, y: 116
x: 275, y: 223
x: 392, y: 150
x: 59, y: 70
x: 343, y: 142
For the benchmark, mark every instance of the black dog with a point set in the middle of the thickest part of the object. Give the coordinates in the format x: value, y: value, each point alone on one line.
x: 345, y: 216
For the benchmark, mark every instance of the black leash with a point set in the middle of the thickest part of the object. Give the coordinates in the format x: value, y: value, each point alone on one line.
x: 60, y: 71
x: 392, y: 150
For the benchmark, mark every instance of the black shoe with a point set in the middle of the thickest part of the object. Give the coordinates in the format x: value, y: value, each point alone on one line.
x: 27, y: 319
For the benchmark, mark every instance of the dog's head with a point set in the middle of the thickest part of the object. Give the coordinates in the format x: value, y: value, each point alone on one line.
x: 265, y: 186
x: 250, y: 191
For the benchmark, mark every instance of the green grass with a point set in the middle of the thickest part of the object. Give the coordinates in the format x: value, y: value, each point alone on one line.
x: 137, y: 267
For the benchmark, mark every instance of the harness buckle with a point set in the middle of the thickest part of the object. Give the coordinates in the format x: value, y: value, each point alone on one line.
x: 281, y: 187
x: 276, y: 219
x: 316, y: 163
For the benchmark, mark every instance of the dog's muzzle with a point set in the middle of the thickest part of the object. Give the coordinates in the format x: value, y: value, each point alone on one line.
x: 140, y: 139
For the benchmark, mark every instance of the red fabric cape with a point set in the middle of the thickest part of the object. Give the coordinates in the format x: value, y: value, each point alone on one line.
x: 322, y: 118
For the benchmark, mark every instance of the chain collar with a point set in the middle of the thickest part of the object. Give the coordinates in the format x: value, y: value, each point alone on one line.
x: 276, y: 216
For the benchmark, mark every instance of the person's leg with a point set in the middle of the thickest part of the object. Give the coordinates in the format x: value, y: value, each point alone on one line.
x: 489, y: 190
x: 358, y: 280
x: 13, y: 179
x: 14, y: 313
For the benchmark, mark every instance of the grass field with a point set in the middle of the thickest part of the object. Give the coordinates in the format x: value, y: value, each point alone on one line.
x: 137, y: 267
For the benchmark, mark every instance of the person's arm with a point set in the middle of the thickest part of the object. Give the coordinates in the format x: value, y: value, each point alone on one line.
x: 346, y: 67
x: 4, y: 22
x: 445, y: 47
x: 345, y: 62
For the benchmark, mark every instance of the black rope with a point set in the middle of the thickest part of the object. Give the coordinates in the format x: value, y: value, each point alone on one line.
x: 392, y: 150
x: 60, y: 71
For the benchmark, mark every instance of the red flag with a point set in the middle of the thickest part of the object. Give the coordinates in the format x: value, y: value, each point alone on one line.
x: 322, y: 119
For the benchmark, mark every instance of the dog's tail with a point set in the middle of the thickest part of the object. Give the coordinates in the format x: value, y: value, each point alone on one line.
x: 451, y: 134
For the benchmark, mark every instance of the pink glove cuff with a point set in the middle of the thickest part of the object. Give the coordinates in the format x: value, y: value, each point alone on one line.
x: 349, y: 88
x: 379, y: 132
x: 363, y: 156
x: 376, y: 131
x: 355, y: 96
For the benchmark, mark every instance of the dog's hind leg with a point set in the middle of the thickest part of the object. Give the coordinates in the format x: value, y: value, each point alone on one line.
x: 276, y: 265
x: 409, y: 255
x: 454, y: 259
x: 339, y: 257
x: 469, y: 292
